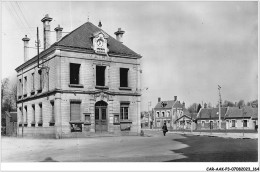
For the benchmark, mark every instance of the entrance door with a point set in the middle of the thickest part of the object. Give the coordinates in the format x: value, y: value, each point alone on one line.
x: 101, y: 116
x: 211, y: 125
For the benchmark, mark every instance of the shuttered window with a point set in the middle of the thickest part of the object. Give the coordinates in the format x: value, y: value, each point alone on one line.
x: 75, y: 111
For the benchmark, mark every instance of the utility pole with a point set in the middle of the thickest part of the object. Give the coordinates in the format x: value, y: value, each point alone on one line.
x: 149, y: 124
x: 219, y: 118
x: 38, y: 45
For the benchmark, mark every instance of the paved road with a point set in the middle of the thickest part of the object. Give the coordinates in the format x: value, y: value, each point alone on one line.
x: 157, y: 148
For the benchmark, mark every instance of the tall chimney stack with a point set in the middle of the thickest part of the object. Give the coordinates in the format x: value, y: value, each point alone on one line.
x: 26, y: 49
x: 58, y: 30
x: 159, y: 99
x: 46, y: 31
x: 175, y: 98
x: 119, y: 35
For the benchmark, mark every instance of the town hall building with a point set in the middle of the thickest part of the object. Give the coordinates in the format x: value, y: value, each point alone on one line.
x: 87, y: 82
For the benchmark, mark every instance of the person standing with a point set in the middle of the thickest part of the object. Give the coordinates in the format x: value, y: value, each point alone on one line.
x: 164, y: 128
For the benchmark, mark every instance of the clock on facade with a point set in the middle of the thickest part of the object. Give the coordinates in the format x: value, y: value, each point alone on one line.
x: 100, y: 42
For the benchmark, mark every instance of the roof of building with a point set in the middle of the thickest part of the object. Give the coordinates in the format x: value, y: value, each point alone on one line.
x: 183, y: 116
x: 168, y: 104
x: 81, y: 38
x: 246, y: 112
x: 211, y: 113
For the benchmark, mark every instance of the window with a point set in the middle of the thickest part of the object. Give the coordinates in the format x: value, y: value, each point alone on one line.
x: 74, y: 73
x: 32, y: 82
x: 33, y: 116
x: 26, y: 116
x: 75, y: 110
x: 124, y: 77
x: 244, y: 123
x: 25, y: 86
x: 157, y: 114
x: 162, y: 114
x: 41, y: 81
x: 21, y: 117
x: 20, y: 87
x: 100, y: 75
x: 40, y: 116
x: 52, y: 121
x: 168, y: 114
x: 233, y: 123
x: 202, y: 123
x: 124, y: 111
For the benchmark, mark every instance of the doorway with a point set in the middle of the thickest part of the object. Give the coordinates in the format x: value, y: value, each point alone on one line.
x: 211, y: 125
x: 101, y: 116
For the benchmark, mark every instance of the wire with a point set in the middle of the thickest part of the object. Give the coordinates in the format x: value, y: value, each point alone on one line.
x: 13, y: 16
x: 23, y: 17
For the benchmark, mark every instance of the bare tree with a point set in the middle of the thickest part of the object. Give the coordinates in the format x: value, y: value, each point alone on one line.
x: 192, y: 108
x: 8, y: 96
x: 198, y: 109
x: 241, y: 103
x: 228, y: 104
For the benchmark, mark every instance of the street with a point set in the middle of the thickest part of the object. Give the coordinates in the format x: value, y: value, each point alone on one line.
x: 156, y: 148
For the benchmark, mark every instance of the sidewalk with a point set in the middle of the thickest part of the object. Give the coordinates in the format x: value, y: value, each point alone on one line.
x: 225, y: 135
x: 239, y: 135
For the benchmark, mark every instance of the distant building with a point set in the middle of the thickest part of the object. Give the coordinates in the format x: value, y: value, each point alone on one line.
x: 208, y: 118
x: 241, y: 118
x: 186, y: 121
x: 231, y: 118
x: 87, y: 82
x: 167, y: 111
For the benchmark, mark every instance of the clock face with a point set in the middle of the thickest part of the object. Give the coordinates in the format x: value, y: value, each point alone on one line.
x: 100, y: 43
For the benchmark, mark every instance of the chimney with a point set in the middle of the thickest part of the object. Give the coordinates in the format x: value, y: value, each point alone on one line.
x: 99, y: 24
x: 58, y: 30
x: 183, y: 104
x: 175, y: 98
x: 159, y: 99
x: 26, y: 49
x: 119, y: 35
x: 46, y: 31
x: 205, y: 105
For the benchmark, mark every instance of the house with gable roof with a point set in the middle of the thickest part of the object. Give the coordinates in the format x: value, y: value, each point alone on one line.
x: 208, y: 118
x: 242, y: 118
x: 87, y: 82
x: 167, y: 111
x: 186, y: 121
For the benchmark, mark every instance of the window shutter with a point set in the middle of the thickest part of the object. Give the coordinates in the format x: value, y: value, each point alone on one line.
x: 75, y: 111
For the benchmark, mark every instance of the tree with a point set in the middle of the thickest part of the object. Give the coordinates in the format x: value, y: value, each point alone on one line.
x: 198, y: 109
x: 228, y: 104
x: 241, y: 103
x: 192, y: 108
x: 8, y: 96
x: 209, y: 105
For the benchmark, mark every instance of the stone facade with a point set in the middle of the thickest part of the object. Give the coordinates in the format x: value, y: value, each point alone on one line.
x: 47, y: 109
x: 167, y: 111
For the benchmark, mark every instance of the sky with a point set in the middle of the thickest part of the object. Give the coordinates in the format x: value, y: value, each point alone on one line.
x: 187, y: 48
